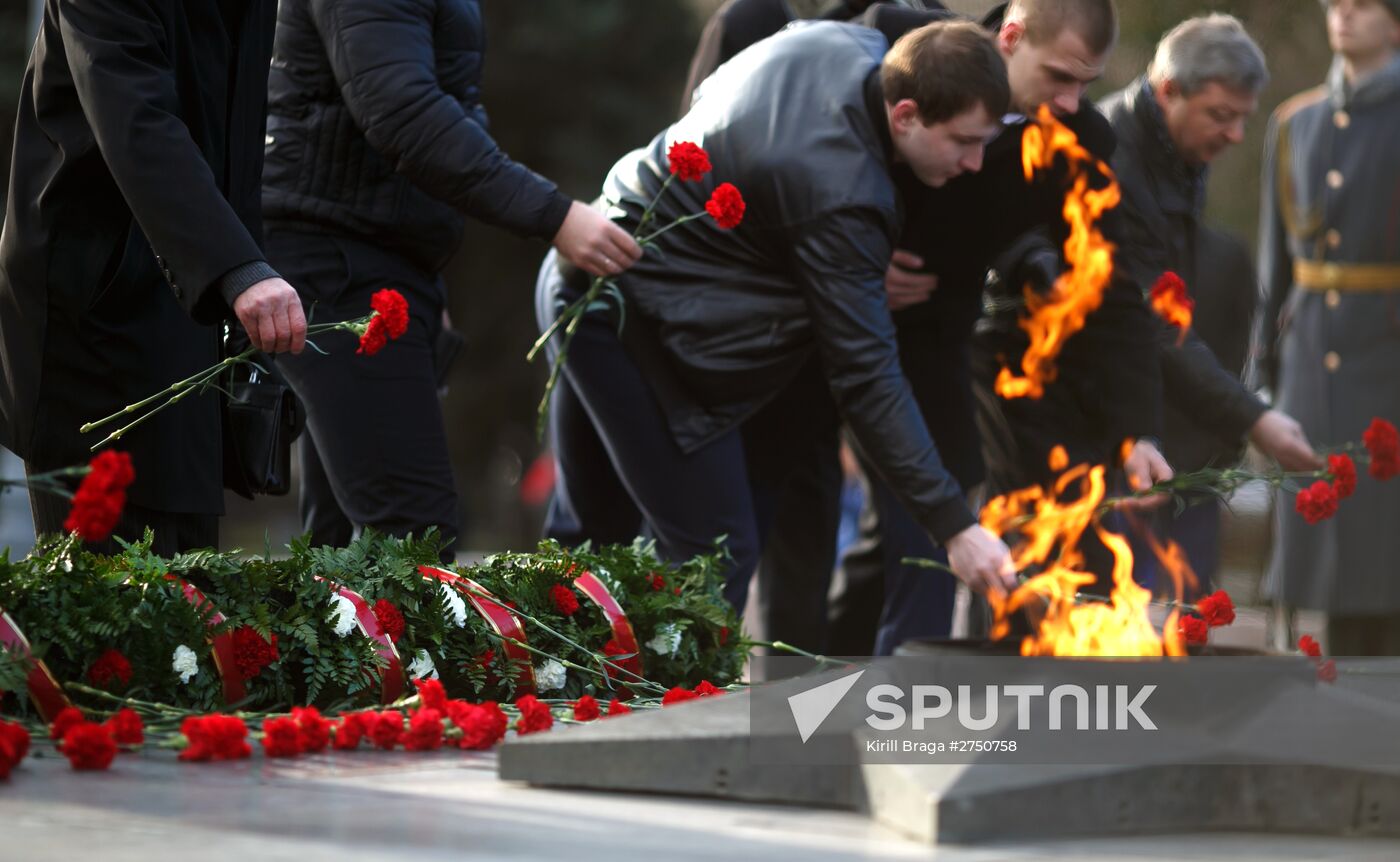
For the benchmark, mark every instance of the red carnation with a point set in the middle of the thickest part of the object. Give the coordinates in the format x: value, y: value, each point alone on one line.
x: 1343, y: 471
x: 375, y: 337
x: 688, y: 161
x: 482, y: 725
x: 723, y: 635
x: 89, y: 745
x: 315, y: 729
x: 586, y: 708
x: 424, y: 731
x: 658, y: 583
x: 14, y: 745
x: 1317, y: 503
x: 707, y: 689
x: 1310, y: 646
x: 534, y: 716
x: 350, y: 730
x: 393, y: 309
x: 387, y: 729
x: 564, y: 599
x: 1217, y: 609
x: 281, y: 737
x: 251, y: 653
x: 68, y: 717
x: 431, y: 694
x: 726, y: 205
x: 1383, y: 442
x: 617, y: 707
x: 215, y: 737
x: 100, y: 498
x: 390, y: 619
x: 110, y: 667
x: 1170, y: 300
x: 678, y: 695
x: 1194, y: 630
x: 126, y: 727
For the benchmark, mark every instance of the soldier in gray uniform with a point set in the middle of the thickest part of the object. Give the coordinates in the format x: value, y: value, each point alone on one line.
x: 1328, y: 341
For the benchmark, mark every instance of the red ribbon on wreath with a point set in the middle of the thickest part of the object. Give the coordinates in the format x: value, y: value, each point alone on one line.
x: 44, y: 690
x: 392, y: 678
x: 590, y: 585
x: 498, y: 617
x: 221, y: 645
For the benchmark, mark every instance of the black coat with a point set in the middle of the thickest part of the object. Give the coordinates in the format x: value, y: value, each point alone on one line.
x: 724, y: 320
x: 134, y: 188
x: 1208, y: 411
x: 376, y: 129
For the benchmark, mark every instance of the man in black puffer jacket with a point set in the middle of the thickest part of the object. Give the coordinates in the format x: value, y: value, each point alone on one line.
x: 377, y: 147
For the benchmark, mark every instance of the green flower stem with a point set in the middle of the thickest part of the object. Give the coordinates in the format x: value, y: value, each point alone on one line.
x: 651, y: 237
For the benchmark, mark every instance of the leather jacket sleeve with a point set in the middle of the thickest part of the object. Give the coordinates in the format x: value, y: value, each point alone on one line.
x: 127, y: 89
x: 840, y: 260
x: 381, y: 53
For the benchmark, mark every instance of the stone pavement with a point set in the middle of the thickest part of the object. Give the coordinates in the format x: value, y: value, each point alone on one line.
x: 371, y: 805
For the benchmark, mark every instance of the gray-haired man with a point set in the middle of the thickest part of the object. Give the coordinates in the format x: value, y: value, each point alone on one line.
x: 1201, y: 87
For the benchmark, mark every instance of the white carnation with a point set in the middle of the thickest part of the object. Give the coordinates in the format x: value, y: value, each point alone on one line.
x: 666, y: 641
x: 455, y: 605
x: 550, y: 675
x: 344, y: 612
x: 185, y: 663
x: 422, y: 666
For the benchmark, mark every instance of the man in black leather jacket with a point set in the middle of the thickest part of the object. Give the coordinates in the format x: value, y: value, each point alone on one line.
x: 809, y: 125
x: 377, y: 147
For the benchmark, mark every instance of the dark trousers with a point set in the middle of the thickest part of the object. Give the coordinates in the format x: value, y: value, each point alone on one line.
x: 376, y: 448
x: 687, y: 500
x: 173, y: 532
x: 1197, y: 530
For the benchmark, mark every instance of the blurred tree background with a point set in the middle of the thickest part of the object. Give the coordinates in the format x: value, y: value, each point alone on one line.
x: 570, y: 87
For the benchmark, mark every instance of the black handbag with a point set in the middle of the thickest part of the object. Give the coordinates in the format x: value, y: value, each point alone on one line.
x: 262, y: 416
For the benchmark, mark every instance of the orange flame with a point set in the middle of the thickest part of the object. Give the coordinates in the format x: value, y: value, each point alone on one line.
x: 1046, y: 530
x: 1171, y: 301
x: 1051, y: 319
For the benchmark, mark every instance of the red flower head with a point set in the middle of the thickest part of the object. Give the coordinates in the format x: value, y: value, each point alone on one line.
x: 707, y: 689
x: 1343, y: 471
x: 432, y: 694
x: 89, y: 746
x: 393, y: 308
x: 688, y: 161
x: 1194, y: 630
x: 1170, y: 300
x: 534, y: 716
x: 14, y: 745
x: 564, y: 600
x: 482, y: 725
x: 69, y: 716
x: 1217, y: 609
x: 1309, y: 646
x: 215, y: 737
x: 375, y: 337
x: 387, y: 729
x: 1317, y: 503
x: 617, y: 707
x: 723, y: 635
x: 390, y: 619
x: 98, y: 503
x: 726, y: 205
x: 110, y: 667
x: 1383, y: 442
x: 657, y: 582
x: 251, y: 653
x: 126, y: 727
x: 586, y: 708
x: 678, y: 695
x: 350, y: 730
x: 281, y: 737
x: 315, y: 729
x: 424, y: 731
